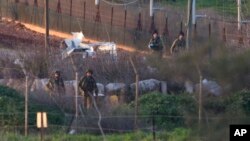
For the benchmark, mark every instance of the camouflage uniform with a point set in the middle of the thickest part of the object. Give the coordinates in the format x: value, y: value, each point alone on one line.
x: 178, y: 45
x: 156, y: 44
x: 88, y: 85
x: 56, y: 86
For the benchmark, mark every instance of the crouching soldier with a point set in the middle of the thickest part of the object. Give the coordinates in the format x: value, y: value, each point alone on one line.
x: 88, y: 86
x: 56, y: 84
x: 156, y: 44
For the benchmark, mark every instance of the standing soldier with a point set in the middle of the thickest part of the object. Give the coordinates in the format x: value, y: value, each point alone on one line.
x: 179, y: 44
x: 56, y: 84
x: 88, y: 86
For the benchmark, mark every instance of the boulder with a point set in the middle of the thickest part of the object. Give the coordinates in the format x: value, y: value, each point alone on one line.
x: 146, y: 86
x: 116, y: 93
x: 2, y: 81
x: 70, y: 87
x: 189, y: 87
x: 39, y: 84
x: 210, y: 87
x: 101, y: 90
x: 116, y: 88
x: 164, y: 87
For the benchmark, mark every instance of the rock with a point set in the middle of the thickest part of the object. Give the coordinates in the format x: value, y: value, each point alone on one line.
x: 39, y: 84
x: 2, y: 82
x: 70, y: 87
x: 189, y: 87
x: 164, y: 88
x: 146, y: 86
x: 175, y: 87
x: 210, y: 87
x: 115, y: 88
x: 116, y: 93
x: 101, y: 91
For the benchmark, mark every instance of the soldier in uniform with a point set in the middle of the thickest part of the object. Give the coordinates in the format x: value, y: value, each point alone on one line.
x: 179, y: 44
x: 88, y: 86
x: 56, y: 84
x: 155, y: 42
x: 56, y: 89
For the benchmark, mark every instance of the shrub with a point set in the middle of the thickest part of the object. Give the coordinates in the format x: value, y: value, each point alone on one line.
x: 12, y: 109
x: 239, y: 102
x: 169, y: 110
x: 179, y: 134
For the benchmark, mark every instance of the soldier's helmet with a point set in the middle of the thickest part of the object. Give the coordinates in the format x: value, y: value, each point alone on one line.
x: 181, y: 33
x: 89, y: 71
x: 57, y: 72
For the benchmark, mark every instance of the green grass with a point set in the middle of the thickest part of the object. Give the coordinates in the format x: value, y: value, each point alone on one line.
x: 180, y: 134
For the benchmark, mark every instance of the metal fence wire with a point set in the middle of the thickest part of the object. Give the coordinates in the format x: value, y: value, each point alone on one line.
x: 129, y: 24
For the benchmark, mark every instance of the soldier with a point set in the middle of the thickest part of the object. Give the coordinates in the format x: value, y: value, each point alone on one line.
x: 179, y: 44
x: 88, y: 85
x: 155, y: 43
x: 56, y: 84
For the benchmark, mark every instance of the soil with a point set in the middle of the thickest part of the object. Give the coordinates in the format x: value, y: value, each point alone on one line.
x: 14, y: 33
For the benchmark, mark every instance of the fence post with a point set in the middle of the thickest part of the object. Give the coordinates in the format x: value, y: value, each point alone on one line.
x: 136, y: 93
x: 209, y: 36
x: 26, y: 105
x: 153, y: 127
x: 139, y: 24
x: 166, y: 31
x: 200, y: 95
x: 59, y: 14
x: 46, y: 23
x: 195, y: 31
x: 84, y: 10
x: 189, y: 23
x: 1, y: 14
x: 98, y: 16
x: 224, y: 37
x: 27, y: 13
x: 209, y: 30
x: 76, y: 99
x: 112, y: 14
x: 26, y: 2
x: 181, y: 26
x: 70, y: 14
x: 152, y: 27
x: 35, y: 13
x: 241, y: 40
x: 125, y: 21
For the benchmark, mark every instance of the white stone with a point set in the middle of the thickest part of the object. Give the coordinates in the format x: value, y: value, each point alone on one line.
x: 112, y: 87
x: 147, y: 85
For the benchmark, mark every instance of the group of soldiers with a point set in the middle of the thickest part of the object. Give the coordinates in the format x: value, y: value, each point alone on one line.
x: 87, y: 85
x: 156, y: 44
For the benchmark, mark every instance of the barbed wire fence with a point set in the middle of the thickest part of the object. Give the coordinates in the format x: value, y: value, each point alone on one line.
x: 129, y: 23
x: 124, y: 25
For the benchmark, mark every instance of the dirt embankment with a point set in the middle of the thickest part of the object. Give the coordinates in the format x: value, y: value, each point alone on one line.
x: 13, y: 33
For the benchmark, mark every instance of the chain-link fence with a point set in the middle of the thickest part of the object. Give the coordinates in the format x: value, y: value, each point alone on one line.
x: 129, y: 24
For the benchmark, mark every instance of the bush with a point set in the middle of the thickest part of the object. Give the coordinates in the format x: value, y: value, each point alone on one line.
x: 179, y: 134
x: 169, y: 110
x: 12, y: 110
x: 239, y: 102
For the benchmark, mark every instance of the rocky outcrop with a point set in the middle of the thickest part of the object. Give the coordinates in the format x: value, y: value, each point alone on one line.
x: 115, y: 88
x: 146, y: 86
x: 210, y: 87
